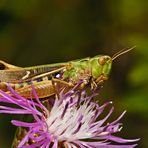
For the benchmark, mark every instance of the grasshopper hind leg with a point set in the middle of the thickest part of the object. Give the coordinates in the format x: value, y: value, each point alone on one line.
x: 44, y: 89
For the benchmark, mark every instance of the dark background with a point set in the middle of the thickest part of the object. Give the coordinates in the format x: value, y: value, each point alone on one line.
x: 34, y: 32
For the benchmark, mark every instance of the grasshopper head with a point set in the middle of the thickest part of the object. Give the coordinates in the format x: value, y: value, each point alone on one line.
x: 101, y: 66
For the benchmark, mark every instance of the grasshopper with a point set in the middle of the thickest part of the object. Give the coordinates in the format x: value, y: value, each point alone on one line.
x: 93, y: 71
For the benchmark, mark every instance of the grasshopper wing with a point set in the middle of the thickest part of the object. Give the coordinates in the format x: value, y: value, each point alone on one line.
x: 13, y: 74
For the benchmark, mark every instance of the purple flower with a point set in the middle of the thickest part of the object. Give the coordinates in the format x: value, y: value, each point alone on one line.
x: 72, y: 122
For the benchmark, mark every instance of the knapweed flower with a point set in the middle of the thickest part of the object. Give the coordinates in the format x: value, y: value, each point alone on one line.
x: 72, y: 122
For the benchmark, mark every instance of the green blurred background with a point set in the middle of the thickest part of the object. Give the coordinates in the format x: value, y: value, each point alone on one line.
x: 34, y: 32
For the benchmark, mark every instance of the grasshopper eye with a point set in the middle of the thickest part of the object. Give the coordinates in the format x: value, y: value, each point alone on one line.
x: 102, y: 60
x: 2, y: 66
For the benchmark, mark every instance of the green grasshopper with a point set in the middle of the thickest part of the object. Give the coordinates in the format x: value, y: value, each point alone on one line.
x: 93, y: 71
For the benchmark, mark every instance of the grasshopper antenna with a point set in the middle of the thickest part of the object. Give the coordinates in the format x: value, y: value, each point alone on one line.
x: 121, y: 52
